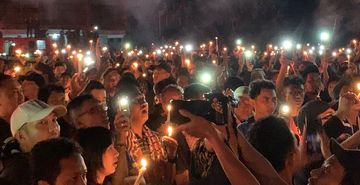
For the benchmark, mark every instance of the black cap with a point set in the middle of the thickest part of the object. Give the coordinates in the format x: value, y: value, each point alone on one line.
x: 164, y: 66
x: 349, y: 159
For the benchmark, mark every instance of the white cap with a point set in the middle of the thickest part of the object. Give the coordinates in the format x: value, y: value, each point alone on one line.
x: 33, y: 110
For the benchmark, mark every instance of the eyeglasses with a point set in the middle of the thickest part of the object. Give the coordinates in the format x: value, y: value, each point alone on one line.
x: 98, y: 108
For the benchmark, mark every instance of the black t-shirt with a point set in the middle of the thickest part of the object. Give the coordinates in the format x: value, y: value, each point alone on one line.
x: 4, y: 130
x: 205, y: 167
x: 16, y: 167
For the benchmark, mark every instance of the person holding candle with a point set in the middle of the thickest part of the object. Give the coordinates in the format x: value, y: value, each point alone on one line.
x: 160, y: 153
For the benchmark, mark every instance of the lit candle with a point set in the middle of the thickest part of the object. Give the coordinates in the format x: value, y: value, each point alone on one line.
x: 168, y: 113
x: 217, y: 44
x: 287, y: 70
x: 187, y: 62
x: 285, y: 109
x: 141, y: 171
x: 170, y: 131
x: 358, y: 88
x: 17, y: 69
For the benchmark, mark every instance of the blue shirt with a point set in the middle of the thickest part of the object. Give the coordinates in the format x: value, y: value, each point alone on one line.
x: 246, y: 126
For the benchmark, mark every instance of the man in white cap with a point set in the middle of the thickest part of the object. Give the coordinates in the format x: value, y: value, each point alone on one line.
x: 30, y: 123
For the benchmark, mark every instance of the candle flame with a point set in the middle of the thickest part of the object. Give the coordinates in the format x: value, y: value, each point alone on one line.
x: 143, y: 163
x: 17, y: 69
x: 170, y: 131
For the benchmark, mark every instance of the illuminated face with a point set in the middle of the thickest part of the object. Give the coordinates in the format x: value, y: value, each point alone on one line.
x: 110, y: 159
x: 330, y: 173
x: 244, y: 109
x: 59, y: 70
x: 111, y: 80
x: 183, y: 81
x: 265, y: 103
x: 56, y: 98
x: 313, y: 83
x: 92, y: 114
x: 99, y: 94
x: 72, y: 171
x: 10, y: 97
x: 30, y: 89
x: 159, y: 75
x: 139, y: 108
x: 34, y: 132
x: 294, y: 96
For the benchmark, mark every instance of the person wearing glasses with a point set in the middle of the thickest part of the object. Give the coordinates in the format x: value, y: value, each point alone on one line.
x: 85, y: 111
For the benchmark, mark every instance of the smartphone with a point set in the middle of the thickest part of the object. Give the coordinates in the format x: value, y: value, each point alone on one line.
x: 313, y: 143
x: 124, y: 107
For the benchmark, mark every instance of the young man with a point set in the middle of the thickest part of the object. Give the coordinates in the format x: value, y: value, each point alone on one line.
x: 32, y: 122
x: 10, y: 97
x: 170, y: 92
x: 59, y: 69
x: 342, y: 168
x: 144, y: 143
x: 97, y: 90
x: 293, y: 99
x: 31, y: 85
x: 52, y: 95
x: 57, y: 162
x: 111, y: 80
x: 313, y: 83
x: 85, y: 111
x: 264, y: 101
x: 161, y: 72
x: 273, y: 139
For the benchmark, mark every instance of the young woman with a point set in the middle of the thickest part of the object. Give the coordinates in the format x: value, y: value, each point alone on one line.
x: 99, y: 153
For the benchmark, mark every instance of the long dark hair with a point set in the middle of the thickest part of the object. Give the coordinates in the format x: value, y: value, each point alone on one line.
x: 94, y: 141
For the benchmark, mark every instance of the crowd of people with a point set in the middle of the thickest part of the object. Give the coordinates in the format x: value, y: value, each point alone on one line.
x: 290, y: 115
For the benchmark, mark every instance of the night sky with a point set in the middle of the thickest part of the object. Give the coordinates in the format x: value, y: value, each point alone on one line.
x: 255, y: 21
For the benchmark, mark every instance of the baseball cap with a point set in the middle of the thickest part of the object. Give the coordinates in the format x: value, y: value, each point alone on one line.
x: 241, y: 91
x: 349, y: 159
x: 30, y: 111
x: 163, y: 66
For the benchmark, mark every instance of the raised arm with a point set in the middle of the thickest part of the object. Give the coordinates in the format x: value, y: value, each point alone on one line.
x: 235, y: 170
x: 282, y: 73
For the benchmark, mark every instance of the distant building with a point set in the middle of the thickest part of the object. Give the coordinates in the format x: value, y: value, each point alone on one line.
x: 62, y: 14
